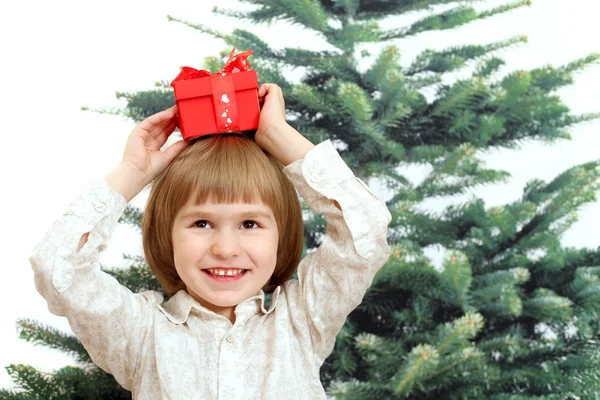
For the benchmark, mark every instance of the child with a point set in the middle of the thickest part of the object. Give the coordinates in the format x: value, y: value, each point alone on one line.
x: 219, y: 205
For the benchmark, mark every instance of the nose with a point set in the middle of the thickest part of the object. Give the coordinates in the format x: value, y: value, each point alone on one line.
x: 225, y: 244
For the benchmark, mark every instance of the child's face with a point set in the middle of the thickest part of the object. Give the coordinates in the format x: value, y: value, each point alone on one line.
x: 220, y: 235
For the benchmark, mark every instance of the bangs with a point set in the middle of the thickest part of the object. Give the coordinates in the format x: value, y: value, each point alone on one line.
x: 228, y: 169
x: 238, y: 180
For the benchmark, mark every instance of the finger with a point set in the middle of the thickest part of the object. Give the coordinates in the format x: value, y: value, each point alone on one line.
x: 162, y: 125
x: 173, y: 150
x: 281, y: 98
x: 157, y: 118
x: 156, y: 129
x: 267, y: 88
x: 161, y: 133
x: 159, y: 127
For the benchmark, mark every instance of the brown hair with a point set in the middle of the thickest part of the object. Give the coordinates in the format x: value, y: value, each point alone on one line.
x: 225, y: 168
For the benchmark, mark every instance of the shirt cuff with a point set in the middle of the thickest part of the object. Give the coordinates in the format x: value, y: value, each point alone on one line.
x: 96, y: 210
x: 99, y: 206
x: 319, y: 173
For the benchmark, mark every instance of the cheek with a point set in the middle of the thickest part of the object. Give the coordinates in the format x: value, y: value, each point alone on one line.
x: 266, y: 240
x: 186, y: 248
x: 264, y: 247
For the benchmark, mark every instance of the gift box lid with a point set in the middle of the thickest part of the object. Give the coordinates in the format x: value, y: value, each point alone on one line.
x: 203, y: 87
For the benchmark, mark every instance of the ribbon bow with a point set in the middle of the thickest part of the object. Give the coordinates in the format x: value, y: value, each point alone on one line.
x: 237, y: 63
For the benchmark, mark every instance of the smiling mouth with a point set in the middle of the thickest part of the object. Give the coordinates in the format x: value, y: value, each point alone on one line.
x: 222, y: 271
x: 225, y: 278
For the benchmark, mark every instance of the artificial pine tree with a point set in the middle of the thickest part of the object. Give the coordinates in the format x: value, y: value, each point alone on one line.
x: 512, y: 313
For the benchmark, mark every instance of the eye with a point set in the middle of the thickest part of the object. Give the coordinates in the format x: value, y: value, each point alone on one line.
x: 248, y: 224
x: 200, y: 223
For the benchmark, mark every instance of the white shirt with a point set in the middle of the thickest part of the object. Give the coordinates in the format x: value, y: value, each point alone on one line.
x: 179, y: 349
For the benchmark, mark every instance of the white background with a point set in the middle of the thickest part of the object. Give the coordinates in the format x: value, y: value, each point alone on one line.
x: 61, y: 55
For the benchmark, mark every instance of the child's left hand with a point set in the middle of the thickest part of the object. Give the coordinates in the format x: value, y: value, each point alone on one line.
x: 274, y: 134
x: 272, y: 111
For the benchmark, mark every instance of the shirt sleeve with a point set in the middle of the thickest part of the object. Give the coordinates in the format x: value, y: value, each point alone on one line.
x: 111, y: 322
x: 333, y: 280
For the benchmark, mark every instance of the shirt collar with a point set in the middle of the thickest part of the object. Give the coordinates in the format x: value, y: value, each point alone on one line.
x: 178, y: 307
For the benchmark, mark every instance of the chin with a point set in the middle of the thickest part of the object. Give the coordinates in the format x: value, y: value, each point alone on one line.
x: 226, y: 300
x: 225, y: 303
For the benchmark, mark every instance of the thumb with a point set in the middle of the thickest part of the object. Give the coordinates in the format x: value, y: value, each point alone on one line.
x: 173, y: 150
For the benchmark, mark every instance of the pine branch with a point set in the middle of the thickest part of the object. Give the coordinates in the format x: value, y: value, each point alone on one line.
x: 349, y: 7
x: 382, y: 8
x: 542, y: 220
x: 457, y: 277
x: 505, y: 8
x: 454, y: 58
x: 387, y: 61
x: 199, y: 27
x: 232, y: 13
x: 308, y: 13
x: 143, y: 104
x: 305, y: 58
x: 421, y: 360
x: 245, y: 40
x: 462, y: 329
x: 112, y: 111
x: 137, y: 278
x: 40, y: 334
x: 466, y: 355
x: 449, y: 20
x: 132, y: 216
x: 582, y: 63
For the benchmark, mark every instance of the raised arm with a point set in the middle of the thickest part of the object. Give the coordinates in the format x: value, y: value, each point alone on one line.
x: 333, y: 280
x: 111, y: 322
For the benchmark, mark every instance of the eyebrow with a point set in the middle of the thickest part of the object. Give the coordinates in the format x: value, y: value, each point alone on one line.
x: 246, y: 214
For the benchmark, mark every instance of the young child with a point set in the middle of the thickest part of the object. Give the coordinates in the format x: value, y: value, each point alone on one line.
x: 221, y: 205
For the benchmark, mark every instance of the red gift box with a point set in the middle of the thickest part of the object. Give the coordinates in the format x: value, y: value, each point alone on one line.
x: 223, y: 102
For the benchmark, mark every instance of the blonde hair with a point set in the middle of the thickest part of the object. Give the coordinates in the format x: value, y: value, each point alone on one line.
x: 226, y: 168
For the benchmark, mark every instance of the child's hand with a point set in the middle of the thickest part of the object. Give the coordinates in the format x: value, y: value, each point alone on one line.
x: 274, y: 134
x: 272, y: 112
x: 142, y: 158
x: 142, y: 150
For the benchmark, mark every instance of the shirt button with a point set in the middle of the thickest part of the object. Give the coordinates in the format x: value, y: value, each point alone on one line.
x: 229, y: 338
x: 100, y: 207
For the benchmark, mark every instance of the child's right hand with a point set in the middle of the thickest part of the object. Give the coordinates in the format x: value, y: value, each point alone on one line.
x: 142, y: 158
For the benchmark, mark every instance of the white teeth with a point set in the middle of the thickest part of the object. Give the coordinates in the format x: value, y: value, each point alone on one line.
x: 230, y: 272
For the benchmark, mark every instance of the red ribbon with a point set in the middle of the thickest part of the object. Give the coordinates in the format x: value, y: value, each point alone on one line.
x: 234, y: 64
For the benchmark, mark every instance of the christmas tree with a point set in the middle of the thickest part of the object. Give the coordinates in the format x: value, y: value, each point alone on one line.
x: 511, y: 313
